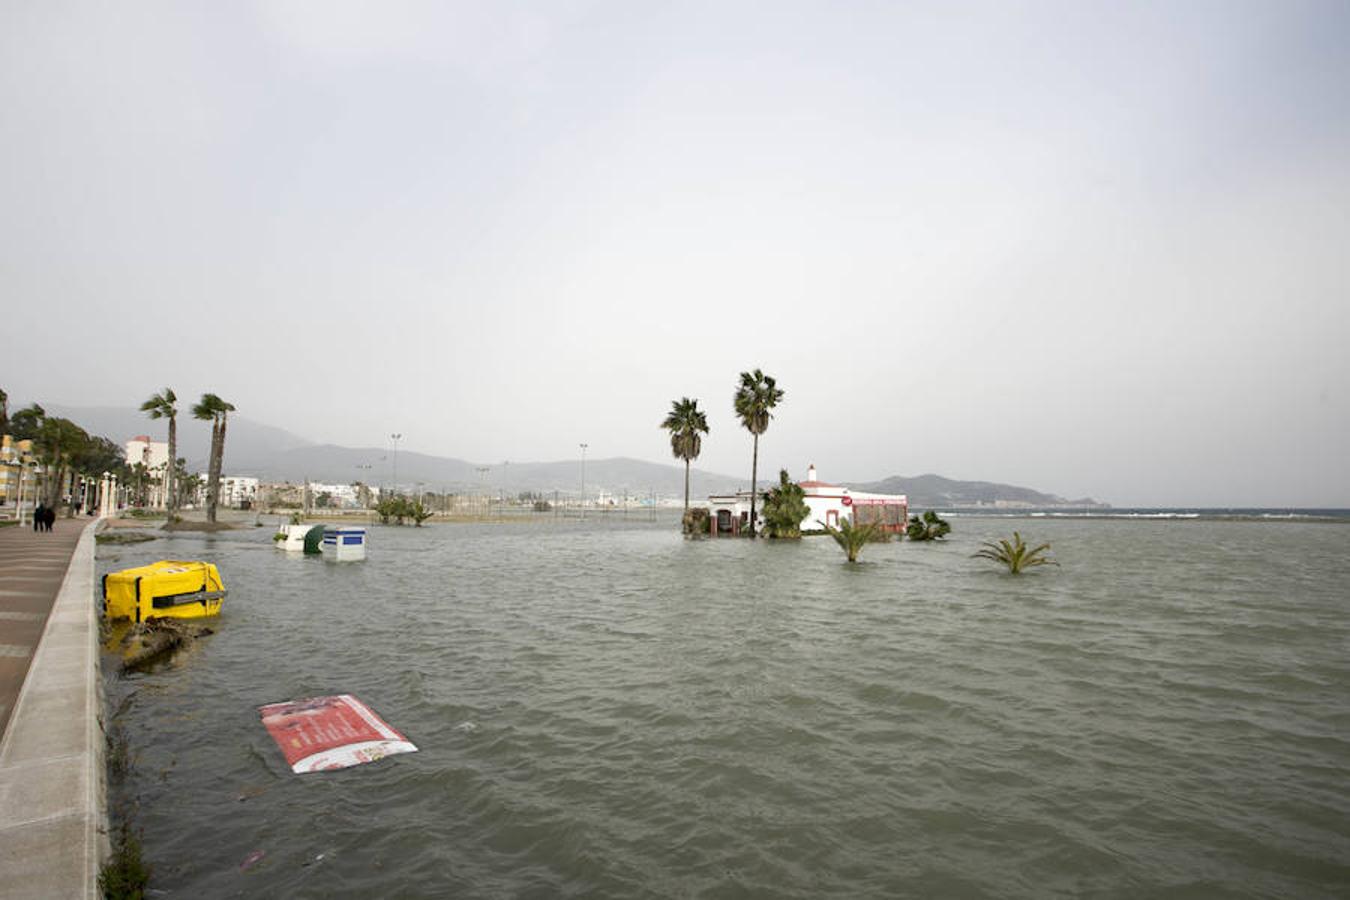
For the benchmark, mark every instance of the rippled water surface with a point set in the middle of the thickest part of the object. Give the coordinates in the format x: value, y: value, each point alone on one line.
x: 608, y: 710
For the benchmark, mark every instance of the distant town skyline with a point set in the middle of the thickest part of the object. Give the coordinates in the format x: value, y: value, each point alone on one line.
x: 1091, y: 249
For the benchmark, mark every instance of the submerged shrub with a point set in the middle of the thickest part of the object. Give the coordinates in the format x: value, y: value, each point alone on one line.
x: 125, y: 875
x: 696, y: 521
x: 931, y: 527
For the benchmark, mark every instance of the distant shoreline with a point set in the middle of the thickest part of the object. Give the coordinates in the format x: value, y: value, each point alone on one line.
x: 1156, y: 514
x: 233, y: 519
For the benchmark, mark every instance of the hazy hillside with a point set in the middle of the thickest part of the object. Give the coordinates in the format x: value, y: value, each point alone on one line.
x: 274, y: 454
x: 247, y: 443
x: 934, y: 490
x: 344, y: 464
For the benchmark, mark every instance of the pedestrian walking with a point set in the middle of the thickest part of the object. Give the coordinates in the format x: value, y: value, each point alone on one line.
x: 39, y: 517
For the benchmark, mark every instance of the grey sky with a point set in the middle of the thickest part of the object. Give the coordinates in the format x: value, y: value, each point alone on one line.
x: 1093, y: 249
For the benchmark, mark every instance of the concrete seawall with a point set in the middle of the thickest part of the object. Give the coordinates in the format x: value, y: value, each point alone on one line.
x: 53, y: 791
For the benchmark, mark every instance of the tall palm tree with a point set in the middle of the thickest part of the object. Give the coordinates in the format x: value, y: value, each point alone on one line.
x: 686, y: 423
x: 215, y: 410
x: 161, y: 406
x: 757, y: 395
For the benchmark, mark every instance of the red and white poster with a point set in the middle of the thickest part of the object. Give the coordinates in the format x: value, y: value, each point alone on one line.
x: 324, y: 733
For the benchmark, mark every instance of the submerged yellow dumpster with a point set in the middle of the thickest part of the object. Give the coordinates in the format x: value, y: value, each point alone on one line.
x: 168, y: 589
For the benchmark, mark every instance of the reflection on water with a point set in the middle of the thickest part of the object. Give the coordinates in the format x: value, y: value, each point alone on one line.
x: 606, y: 709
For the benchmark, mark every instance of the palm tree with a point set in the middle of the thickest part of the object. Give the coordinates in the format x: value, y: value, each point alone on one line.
x: 853, y: 537
x: 785, y: 508
x: 61, y: 441
x: 212, y: 408
x: 161, y: 406
x: 686, y: 422
x: 1015, y: 554
x: 756, y: 396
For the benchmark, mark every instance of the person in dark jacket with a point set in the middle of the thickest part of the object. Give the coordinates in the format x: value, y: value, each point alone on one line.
x: 39, y: 517
x: 51, y: 517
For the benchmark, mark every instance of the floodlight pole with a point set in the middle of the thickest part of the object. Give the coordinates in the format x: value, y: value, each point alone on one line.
x: 583, y: 480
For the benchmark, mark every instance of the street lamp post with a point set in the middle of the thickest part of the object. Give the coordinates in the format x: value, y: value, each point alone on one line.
x: 18, y: 506
x: 396, y: 438
x: 583, y: 479
x: 482, y: 492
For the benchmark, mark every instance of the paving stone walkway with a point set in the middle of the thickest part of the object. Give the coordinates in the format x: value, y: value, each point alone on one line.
x: 32, y: 566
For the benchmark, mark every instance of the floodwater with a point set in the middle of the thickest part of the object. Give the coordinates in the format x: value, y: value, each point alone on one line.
x: 605, y: 709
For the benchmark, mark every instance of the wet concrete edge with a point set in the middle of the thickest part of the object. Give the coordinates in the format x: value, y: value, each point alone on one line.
x: 53, y: 779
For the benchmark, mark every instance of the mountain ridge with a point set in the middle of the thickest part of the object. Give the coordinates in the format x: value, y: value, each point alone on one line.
x: 275, y: 454
x: 929, y: 490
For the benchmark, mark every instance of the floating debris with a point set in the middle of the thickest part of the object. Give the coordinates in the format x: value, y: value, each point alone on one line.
x: 323, y: 733
x: 146, y: 643
x: 252, y: 860
x: 168, y: 589
x: 344, y: 543
x: 300, y: 538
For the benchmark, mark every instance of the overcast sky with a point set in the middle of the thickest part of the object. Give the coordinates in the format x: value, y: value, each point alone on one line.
x: 1089, y: 248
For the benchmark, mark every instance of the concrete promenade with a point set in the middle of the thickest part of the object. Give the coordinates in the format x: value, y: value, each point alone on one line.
x: 53, y: 795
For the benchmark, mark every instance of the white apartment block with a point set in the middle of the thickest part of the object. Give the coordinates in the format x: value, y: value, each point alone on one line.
x: 151, y: 454
x: 235, y: 489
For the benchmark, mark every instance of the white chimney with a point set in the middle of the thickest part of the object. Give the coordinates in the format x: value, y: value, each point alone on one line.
x: 811, y: 472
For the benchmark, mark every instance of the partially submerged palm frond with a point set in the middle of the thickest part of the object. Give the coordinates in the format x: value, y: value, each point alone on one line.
x: 851, y: 537
x: 1016, y: 555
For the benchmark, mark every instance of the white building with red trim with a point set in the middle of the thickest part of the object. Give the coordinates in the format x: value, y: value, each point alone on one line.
x: 829, y: 503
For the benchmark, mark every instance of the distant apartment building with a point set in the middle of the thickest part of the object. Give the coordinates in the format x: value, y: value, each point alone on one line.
x: 154, y: 455
x: 338, y: 496
x: 13, y: 455
x: 237, y: 490
x: 151, y: 454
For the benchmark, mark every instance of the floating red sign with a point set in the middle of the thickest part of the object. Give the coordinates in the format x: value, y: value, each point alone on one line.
x: 848, y: 501
x: 331, y: 733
